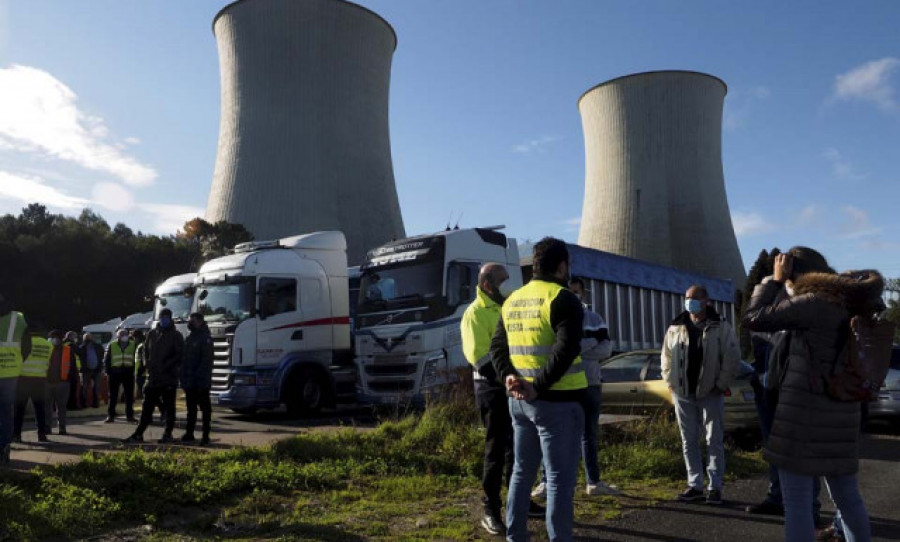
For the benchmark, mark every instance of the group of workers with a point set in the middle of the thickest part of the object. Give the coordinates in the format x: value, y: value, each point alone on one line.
x: 56, y: 373
x: 535, y: 355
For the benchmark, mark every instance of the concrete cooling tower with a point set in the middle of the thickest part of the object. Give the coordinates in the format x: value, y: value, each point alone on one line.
x: 303, y: 136
x: 654, y: 188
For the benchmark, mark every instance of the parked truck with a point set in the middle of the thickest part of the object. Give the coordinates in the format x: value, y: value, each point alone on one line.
x: 278, y: 312
x: 176, y: 294
x: 412, y: 296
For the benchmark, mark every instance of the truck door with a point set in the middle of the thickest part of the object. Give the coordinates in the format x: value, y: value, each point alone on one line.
x: 280, y: 318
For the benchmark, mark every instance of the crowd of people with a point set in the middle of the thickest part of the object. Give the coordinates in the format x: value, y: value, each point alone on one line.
x: 56, y: 373
x: 535, y: 355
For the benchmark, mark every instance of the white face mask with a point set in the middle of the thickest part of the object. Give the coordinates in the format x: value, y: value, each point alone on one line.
x: 123, y: 340
x: 54, y: 342
x: 506, y: 288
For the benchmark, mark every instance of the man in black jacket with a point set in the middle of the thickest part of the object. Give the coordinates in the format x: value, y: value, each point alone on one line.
x: 196, y: 377
x: 162, y: 349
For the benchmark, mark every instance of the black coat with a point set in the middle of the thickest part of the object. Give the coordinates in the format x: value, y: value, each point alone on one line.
x: 162, y: 350
x: 82, y: 353
x: 197, y: 360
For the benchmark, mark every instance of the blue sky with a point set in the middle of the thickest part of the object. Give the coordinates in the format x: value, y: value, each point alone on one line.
x: 115, y: 105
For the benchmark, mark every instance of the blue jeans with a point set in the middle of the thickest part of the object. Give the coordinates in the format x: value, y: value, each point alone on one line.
x: 551, y: 430
x: 694, y: 414
x: 797, y: 490
x: 7, y: 409
x: 593, y: 400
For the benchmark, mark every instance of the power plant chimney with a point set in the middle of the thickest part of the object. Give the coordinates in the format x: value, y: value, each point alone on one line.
x: 654, y: 188
x: 303, y: 138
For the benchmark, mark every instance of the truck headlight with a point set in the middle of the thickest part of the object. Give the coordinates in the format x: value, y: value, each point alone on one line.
x: 430, y: 370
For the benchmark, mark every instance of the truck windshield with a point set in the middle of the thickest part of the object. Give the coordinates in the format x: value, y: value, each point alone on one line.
x: 228, y: 302
x: 399, y: 286
x: 176, y: 302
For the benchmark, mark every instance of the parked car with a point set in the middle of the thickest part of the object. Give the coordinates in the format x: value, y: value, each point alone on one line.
x: 632, y: 382
x: 887, y: 406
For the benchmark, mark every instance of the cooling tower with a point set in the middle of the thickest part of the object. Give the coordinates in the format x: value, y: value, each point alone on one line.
x: 303, y: 136
x: 654, y: 188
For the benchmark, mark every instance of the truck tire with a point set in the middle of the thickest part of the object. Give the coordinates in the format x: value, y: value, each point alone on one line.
x: 306, y: 393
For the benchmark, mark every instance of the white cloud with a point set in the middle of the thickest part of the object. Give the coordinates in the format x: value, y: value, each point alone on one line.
x: 840, y: 167
x: 858, y: 224
x: 169, y: 218
x: 39, y: 114
x: 112, y: 196
x: 132, y: 140
x: 27, y: 189
x: 869, y: 82
x: 749, y: 224
x: 534, y: 145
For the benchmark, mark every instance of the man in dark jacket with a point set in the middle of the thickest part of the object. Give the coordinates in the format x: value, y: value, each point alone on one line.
x: 162, y: 349
x: 196, y: 376
x: 91, y: 355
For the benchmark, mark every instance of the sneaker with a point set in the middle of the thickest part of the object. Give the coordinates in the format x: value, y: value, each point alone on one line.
x: 166, y: 439
x: 766, y: 508
x: 42, y: 437
x: 714, y: 496
x: 109, y: 419
x: 540, y: 492
x: 601, y: 488
x: 690, y: 495
x: 536, y: 511
x: 493, y: 524
x: 188, y: 438
x: 133, y: 439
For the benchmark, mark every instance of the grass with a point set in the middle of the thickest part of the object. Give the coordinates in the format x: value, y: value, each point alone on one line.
x: 416, y: 478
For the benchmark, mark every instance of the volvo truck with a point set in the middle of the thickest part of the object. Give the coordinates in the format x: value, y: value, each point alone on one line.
x: 278, y: 312
x: 412, y: 296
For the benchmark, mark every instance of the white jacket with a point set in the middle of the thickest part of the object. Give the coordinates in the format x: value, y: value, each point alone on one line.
x: 721, y: 357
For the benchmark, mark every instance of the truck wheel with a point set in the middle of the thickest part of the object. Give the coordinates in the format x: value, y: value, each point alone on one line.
x: 244, y: 411
x: 306, y: 394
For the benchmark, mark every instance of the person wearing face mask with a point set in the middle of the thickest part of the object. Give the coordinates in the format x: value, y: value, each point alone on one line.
x: 196, y: 376
x: 91, y: 355
x: 535, y: 351
x: 15, y: 346
x: 74, y: 402
x: 119, y: 365
x: 477, y: 328
x: 62, y: 366
x: 33, y: 387
x: 162, y: 350
x: 700, y: 358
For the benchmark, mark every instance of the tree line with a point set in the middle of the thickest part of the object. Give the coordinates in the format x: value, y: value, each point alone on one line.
x: 65, y: 272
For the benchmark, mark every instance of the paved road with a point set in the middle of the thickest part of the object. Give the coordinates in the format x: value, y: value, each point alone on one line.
x: 678, y: 522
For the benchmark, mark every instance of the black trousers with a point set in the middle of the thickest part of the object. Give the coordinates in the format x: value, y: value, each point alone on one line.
x: 153, y: 396
x: 498, y: 442
x: 36, y: 390
x: 125, y: 379
x: 198, y: 398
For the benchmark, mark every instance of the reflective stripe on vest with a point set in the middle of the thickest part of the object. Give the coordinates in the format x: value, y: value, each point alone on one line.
x: 526, y: 316
x: 38, y: 361
x: 121, y: 357
x: 12, y: 328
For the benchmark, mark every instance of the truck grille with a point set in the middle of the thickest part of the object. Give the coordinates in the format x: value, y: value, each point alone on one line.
x: 221, y: 379
x: 392, y: 386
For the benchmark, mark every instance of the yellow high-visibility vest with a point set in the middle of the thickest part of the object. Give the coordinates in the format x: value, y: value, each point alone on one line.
x: 526, y: 316
x: 121, y: 357
x: 12, y: 329
x: 38, y: 361
x: 477, y: 327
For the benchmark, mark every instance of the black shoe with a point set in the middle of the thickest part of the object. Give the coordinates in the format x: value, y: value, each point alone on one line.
x: 536, y: 511
x: 109, y: 419
x: 133, y: 439
x: 204, y: 441
x: 766, y: 508
x: 493, y: 524
x: 188, y: 438
x: 714, y: 496
x: 131, y: 419
x: 166, y: 439
x: 62, y: 430
x: 690, y: 495
x: 42, y: 437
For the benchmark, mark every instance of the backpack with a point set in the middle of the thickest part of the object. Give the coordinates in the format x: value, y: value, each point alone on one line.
x: 863, y: 365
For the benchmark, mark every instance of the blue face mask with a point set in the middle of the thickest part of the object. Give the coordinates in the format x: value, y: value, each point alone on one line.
x: 693, y: 306
x: 165, y: 321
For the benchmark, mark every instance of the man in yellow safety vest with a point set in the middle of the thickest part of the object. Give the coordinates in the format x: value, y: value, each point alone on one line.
x: 535, y: 350
x: 15, y: 345
x: 33, y: 387
x: 119, y: 365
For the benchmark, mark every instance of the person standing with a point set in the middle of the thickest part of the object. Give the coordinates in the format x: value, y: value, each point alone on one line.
x: 196, y: 377
x: 700, y: 358
x: 62, y: 366
x: 119, y: 365
x: 163, y: 350
x: 33, y: 386
x: 812, y: 434
x: 14, y: 348
x: 74, y: 402
x: 535, y: 351
x: 92, y: 367
x: 140, y: 365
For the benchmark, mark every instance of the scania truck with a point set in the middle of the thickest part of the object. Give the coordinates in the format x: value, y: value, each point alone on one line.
x: 176, y: 294
x: 279, y: 316
x: 412, y: 296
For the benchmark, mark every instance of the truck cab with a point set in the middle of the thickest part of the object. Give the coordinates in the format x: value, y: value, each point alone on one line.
x: 175, y: 294
x: 412, y: 296
x: 278, y: 312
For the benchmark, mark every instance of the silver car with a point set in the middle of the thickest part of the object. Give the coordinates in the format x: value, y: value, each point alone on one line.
x: 887, y: 406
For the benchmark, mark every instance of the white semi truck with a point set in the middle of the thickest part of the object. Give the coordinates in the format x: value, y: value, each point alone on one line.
x: 176, y: 294
x: 412, y: 296
x: 279, y: 316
